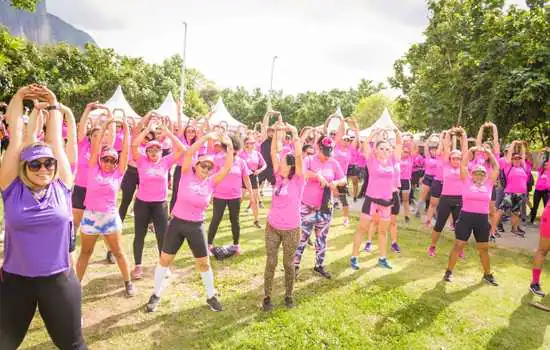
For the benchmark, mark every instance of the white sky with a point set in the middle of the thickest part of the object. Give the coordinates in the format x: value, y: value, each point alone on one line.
x: 321, y: 44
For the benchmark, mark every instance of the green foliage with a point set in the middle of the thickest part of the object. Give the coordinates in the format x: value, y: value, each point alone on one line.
x: 371, y: 107
x: 479, y: 62
x: 27, y: 5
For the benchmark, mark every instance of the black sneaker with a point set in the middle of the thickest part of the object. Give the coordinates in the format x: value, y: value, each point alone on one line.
x: 490, y: 279
x: 309, y: 242
x: 518, y: 233
x: 500, y: 228
x: 535, y: 289
x: 289, y: 302
x: 153, y: 303
x: 321, y: 270
x: 498, y: 235
x: 492, y: 238
x: 407, y: 219
x: 267, y: 305
x: 417, y: 214
x: 257, y: 224
x: 261, y: 205
x: 448, y: 277
x: 521, y: 231
x: 214, y: 304
x: 129, y: 289
x: 110, y: 258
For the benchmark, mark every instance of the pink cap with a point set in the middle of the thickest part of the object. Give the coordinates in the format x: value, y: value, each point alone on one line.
x: 109, y: 152
x: 153, y: 144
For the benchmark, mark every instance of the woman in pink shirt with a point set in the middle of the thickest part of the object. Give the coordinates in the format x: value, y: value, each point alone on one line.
x: 542, y: 189
x: 197, y: 183
x: 516, y: 174
x: 283, y: 219
x: 451, y: 194
x: 474, y: 216
x: 437, y: 182
x: 430, y: 165
x: 379, y: 195
x: 323, y: 175
x: 405, y: 166
x: 150, y: 203
x: 542, y: 251
x: 256, y: 164
x: 101, y: 217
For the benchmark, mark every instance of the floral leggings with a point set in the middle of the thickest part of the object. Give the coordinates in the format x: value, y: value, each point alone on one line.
x: 273, y: 239
x: 312, y: 218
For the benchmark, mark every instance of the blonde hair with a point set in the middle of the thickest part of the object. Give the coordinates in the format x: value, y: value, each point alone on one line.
x: 22, y: 173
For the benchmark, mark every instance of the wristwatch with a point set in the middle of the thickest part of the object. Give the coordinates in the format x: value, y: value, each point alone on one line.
x: 53, y: 107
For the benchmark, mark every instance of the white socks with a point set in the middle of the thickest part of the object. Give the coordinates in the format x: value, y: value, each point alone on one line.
x: 160, y: 273
x: 208, y: 281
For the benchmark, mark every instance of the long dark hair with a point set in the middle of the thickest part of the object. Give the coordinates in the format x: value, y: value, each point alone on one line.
x: 291, y: 162
x: 185, y: 137
x: 236, y: 141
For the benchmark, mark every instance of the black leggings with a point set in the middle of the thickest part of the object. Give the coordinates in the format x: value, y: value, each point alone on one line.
x: 130, y: 181
x: 448, y: 205
x: 363, y: 189
x: 175, y: 184
x: 537, y: 196
x: 144, y: 213
x: 218, y: 210
x: 58, y: 298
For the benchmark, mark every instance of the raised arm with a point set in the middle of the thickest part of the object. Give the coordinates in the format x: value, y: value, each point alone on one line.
x: 367, y: 150
x: 398, y: 145
x: 297, y: 151
x: 71, y: 147
x: 97, y: 143
x: 178, y: 148
x: 123, y: 159
x: 463, y: 140
x: 84, y: 121
x: 275, y: 146
x: 495, y: 169
x: 220, y: 175
x: 188, y: 156
x: 33, y: 127
x: 447, y: 146
x: 137, y: 141
x: 479, y: 139
x: 464, y: 163
x: 341, y: 131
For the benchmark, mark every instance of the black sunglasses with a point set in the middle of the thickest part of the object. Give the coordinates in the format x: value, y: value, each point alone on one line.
x: 205, y: 166
x: 35, y: 165
x: 109, y: 160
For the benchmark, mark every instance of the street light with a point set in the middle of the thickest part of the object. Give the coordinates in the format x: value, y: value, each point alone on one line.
x: 269, y: 108
x: 182, y: 88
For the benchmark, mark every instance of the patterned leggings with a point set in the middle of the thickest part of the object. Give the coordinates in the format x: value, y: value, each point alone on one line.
x: 313, y: 219
x: 273, y: 239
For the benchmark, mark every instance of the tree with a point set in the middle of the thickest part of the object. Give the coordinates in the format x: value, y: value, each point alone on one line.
x: 370, y: 108
x: 27, y: 5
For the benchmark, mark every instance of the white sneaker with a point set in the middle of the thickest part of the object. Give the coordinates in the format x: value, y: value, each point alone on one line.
x: 346, y: 222
x: 2, y: 236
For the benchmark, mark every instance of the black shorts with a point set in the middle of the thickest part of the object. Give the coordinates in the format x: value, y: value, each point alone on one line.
x: 405, y: 185
x: 428, y: 180
x: 472, y: 222
x: 352, y: 171
x: 268, y: 175
x: 435, y: 188
x: 78, y: 196
x: 342, y: 195
x: 396, y: 206
x: 494, y: 194
x: 178, y: 230
x: 416, y: 176
x: 253, y: 181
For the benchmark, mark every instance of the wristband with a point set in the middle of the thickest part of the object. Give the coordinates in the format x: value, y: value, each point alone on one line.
x: 53, y: 107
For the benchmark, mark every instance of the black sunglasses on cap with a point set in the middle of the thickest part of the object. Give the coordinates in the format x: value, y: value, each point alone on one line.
x: 35, y: 165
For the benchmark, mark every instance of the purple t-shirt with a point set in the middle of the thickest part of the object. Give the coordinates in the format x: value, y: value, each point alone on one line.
x: 37, y: 233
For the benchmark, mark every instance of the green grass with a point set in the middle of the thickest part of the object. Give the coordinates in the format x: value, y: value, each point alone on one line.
x: 407, y: 307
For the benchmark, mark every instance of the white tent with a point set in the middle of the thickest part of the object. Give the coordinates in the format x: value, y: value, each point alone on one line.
x: 170, y: 108
x: 335, y: 123
x: 384, y: 122
x: 117, y: 101
x: 220, y: 115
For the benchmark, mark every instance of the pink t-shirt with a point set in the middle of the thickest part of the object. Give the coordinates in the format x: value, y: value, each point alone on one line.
x: 418, y: 163
x: 118, y: 141
x: 354, y: 156
x: 254, y: 159
x: 430, y: 165
x: 438, y: 175
x: 406, y: 168
x: 84, y: 155
x: 361, y: 161
x: 102, y: 189
x: 330, y: 170
x: 343, y: 156
x: 543, y: 181
x: 380, y: 179
x: 153, y: 178
x: 193, y: 197
x: 475, y: 199
x: 285, y: 203
x: 231, y: 186
x: 396, y: 178
x: 516, y: 179
x: 452, y: 184
x: 479, y: 159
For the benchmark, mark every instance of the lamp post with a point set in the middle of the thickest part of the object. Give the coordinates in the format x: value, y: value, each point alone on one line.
x: 182, y: 87
x: 269, y: 108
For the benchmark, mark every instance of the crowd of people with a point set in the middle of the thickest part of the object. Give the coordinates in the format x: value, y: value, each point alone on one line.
x: 60, y: 179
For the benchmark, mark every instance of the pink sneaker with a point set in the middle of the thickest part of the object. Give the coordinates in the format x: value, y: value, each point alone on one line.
x: 210, y: 247
x: 431, y: 251
x: 461, y: 255
x: 137, y: 274
x: 238, y: 250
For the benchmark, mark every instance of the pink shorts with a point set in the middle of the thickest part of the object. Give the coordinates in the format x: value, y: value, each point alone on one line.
x: 545, y: 222
x: 372, y: 209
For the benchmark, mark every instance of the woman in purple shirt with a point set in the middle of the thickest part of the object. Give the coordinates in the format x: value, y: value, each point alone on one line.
x: 35, y: 181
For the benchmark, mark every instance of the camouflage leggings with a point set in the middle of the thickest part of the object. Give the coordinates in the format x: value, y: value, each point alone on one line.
x: 273, y: 239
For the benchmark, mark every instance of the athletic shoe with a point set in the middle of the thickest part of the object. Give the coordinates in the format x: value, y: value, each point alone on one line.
x: 153, y: 303
x: 238, y: 250
x: 368, y: 247
x: 137, y: 274
x: 346, y: 222
x: 492, y: 238
x: 417, y: 214
x: 431, y: 250
x: 267, y: 305
x: 498, y: 235
x: 461, y: 255
x: 521, y: 231
x: 129, y: 289
x: 257, y: 224
x: 448, y: 276
x: 395, y: 247
x: 261, y: 205
x: 354, y: 262
x: 500, y: 228
x: 321, y: 270
x: 336, y: 205
x: 383, y: 262
x: 518, y: 233
x: 535, y: 289
x: 407, y: 219
x: 289, y: 302
x: 110, y: 258
x: 214, y: 304
x: 490, y: 279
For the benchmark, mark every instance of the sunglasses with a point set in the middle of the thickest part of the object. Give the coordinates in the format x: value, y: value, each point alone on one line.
x: 153, y: 150
x: 516, y: 158
x: 109, y: 160
x: 35, y: 165
x: 456, y: 158
x: 384, y: 149
x: 206, y: 166
x: 250, y: 143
